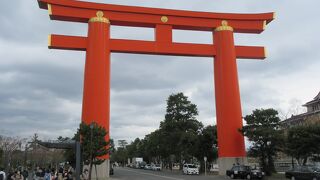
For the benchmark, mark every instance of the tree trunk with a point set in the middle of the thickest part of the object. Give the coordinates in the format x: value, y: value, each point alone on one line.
x: 271, y: 164
x: 181, y: 163
x: 95, y: 167
x: 90, y: 170
x: 264, y: 164
x: 305, y: 159
x: 292, y: 162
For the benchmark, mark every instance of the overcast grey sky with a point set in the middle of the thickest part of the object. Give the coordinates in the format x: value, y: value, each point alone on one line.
x: 41, y: 89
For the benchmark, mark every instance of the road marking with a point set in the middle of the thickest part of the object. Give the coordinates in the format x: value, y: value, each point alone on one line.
x: 150, y: 174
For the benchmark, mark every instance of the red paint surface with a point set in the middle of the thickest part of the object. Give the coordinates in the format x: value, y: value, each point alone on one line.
x: 96, y: 94
x: 78, y: 11
x: 152, y: 47
x: 228, y: 106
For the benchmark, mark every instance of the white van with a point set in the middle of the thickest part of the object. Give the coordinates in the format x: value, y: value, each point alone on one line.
x: 190, y: 169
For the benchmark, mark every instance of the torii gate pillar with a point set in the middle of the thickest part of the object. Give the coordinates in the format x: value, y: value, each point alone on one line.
x: 228, y: 104
x: 96, y: 92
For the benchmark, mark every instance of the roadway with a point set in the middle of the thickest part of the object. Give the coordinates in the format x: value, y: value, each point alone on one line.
x: 139, y: 174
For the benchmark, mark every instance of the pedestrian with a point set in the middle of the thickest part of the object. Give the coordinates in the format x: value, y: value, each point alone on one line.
x: 47, y: 175
x: 65, y: 174
x: 85, y: 175
x: 25, y: 174
x: 60, y: 174
x: 37, y: 173
x: 42, y: 173
x: 54, y: 174
x: 10, y: 174
x: 17, y: 176
x: 2, y: 174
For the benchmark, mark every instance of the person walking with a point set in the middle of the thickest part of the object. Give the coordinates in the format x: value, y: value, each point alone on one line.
x: 85, y: 175
x: 25, y: 174
x: 2, y: 174
x: 17, y: 176
x: 47, y: 175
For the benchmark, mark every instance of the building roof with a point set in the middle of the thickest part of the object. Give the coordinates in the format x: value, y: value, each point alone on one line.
x: 303, y: 117
x: 300, y: 119
x: 315, y: 99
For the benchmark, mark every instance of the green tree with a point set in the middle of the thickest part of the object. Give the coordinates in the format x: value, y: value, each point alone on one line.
x: 69, y: 154
x: 93, y: 144
x: 9, y: 146
x: 180, y: 128
x: 120, y: 155
x: 181, y: 137
x: 263, y: 130
x: 1, y: 156
x: 112, y: 147
x: 208, y: 144
x: 122, y: 143
x: 154, y: 147
x: 302, y: 142
x: 134, y: 149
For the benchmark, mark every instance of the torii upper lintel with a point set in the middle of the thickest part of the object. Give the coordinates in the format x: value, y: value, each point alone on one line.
x: 78, y: 11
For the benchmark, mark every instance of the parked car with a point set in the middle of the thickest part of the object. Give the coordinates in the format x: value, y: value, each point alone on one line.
x: 257, y: 173
x: 142, y: 164
x: 303, y: 173
x: 190, y: 169
x: 244, y: 172
x: 156, y: 167
x: 147, y: 167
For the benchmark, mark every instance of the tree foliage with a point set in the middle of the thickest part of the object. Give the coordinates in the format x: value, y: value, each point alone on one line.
x: 69, y: 154
x: 263, y: 130
x: 135, y: 149
x: 180, y: 128
x: 208, y: 144
x: 122, y: 143
x: 9, y: 145
x: 180, y: 137
x: 302, y: 142
x: 93, y: 144
x: 1, y: 156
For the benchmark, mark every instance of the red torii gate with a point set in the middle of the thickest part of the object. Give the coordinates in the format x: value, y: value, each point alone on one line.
x: 98, y: 46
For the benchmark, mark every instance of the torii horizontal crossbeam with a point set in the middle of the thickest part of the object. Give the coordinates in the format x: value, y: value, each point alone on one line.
x: 151, y: 47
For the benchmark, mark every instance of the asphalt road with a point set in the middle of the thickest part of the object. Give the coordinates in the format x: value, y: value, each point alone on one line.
x: 139, y: 174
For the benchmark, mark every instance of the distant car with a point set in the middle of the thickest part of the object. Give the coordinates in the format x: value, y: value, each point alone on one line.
x: 244, y: 172
x: 190, y: 169
x: 147, y: 167
x: 303, y: 173
x: 156, y: 167
x: 214, y: 168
